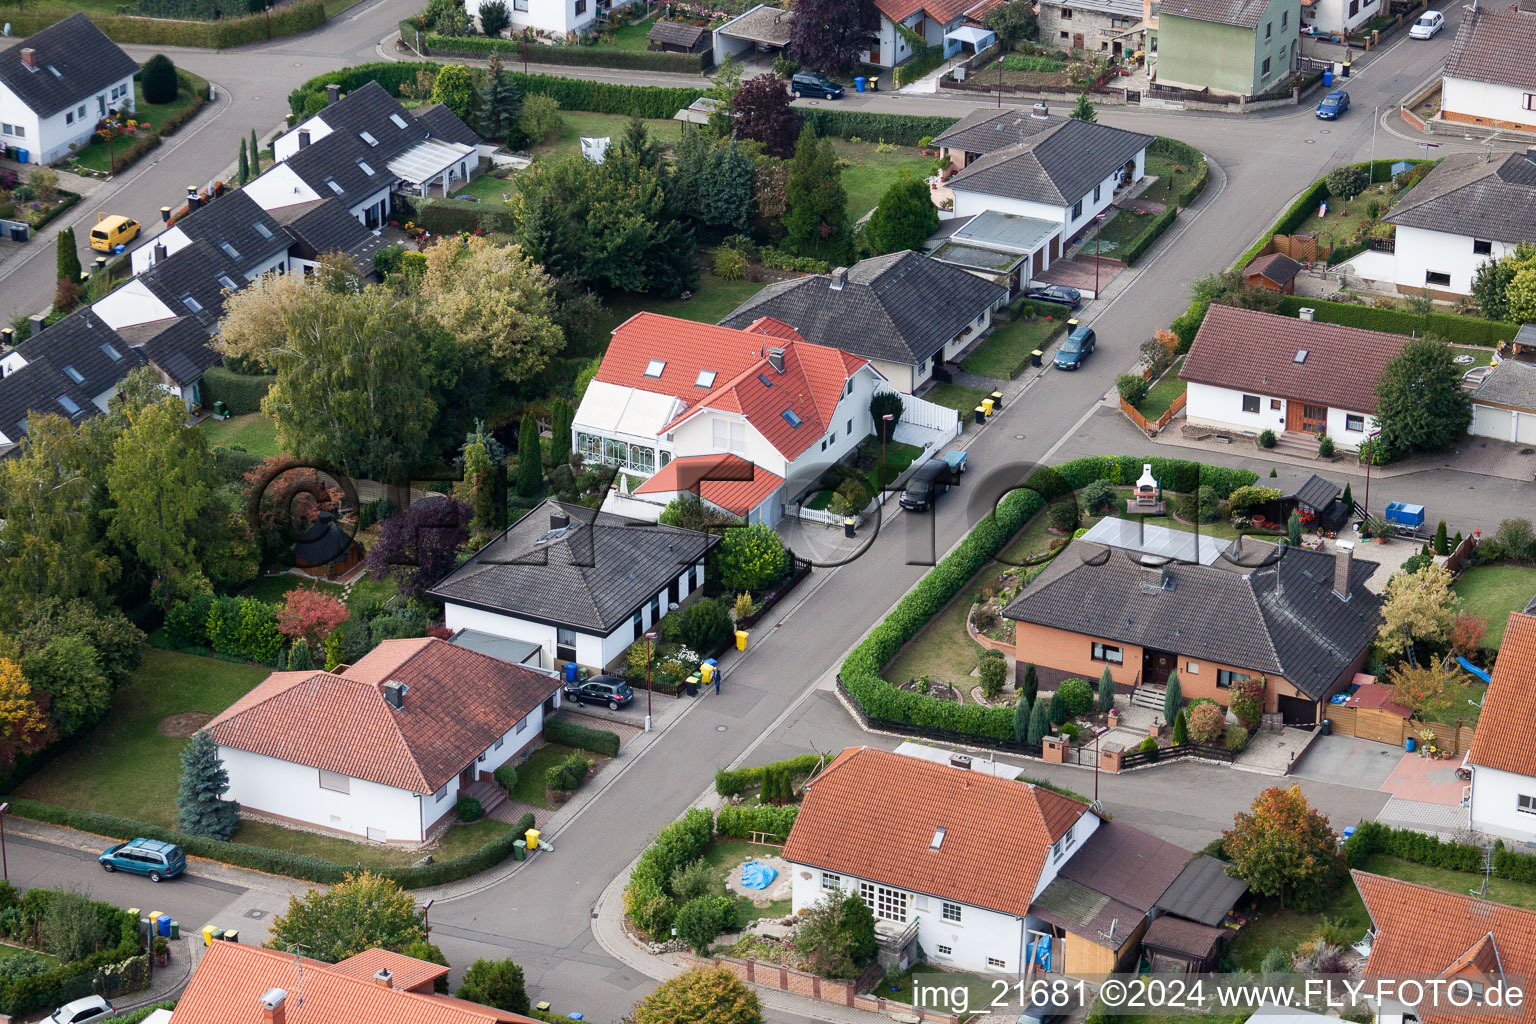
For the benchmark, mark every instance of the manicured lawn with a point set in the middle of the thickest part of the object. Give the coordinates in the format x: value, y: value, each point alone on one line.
x: 631, y: 37
x: 726, y: 856
x: 576, y: 124
x: 943, y: 650
x: 531, y: 787
x: 1344, y: 217
x: 488, y: 189
x: 97, y: 156
x: 365, y: 590
x: 1125, y: 226
x: 456, y: 842
x: 1500, y: 890
x: 1480, y: 356
x: 962, y: 399
x: 1008, y: 347
x: 252, y: 431
x: 871, y: 172
x: 127, y: 767
x: 1163, y: 393
x: 1172, y: 178
x: 1287, y: 929
x: 712, y: 301
x: 1493, y: 591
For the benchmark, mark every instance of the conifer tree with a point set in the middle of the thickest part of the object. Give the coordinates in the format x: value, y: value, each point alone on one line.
x: 200, y: 807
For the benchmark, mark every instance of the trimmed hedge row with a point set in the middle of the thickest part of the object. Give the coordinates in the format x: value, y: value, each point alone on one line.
x: 1137, y: 247
x: 740, y: 822
x: 1461, y: 330
x: 731, y: 783
x: 1183, y: 152
x: 69, y: 199
x: 287, y: 20
x: 898, y: 129
x: 1405, y: 844
x: 860, y: 673
x: 242, y: 392
x: 110, y: 971
x: 570, y: 734
x: 587, y: 56
x: 139, y: 1015
x: 645, y: 897
x: 276, y: 862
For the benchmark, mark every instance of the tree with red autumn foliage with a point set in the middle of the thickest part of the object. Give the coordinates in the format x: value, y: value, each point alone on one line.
x: 284, y: 497
x: 762, y: 112
x: 420, y: 545
x: 310, y: 614
x: 1282, y: 847
x: 1467, y: 631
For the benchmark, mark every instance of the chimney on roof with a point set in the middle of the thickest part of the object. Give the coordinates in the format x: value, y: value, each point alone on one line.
x: 559, y: 520
x: 272, y: 1010
x: 332, y: 93
x: 394, y: 694
x: 383, y: 977
x: 159, y: 253
x: 35, y: 325
x: 29, y: 57
x: 1041, y: 111
x: 303, y: 138
x: 776, y: 359
x: 839, y: 277
x: 1341, y: 563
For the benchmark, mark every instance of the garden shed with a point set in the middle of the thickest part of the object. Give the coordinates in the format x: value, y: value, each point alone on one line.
x: 326, y: 549
x: 1174, y: 945
x: 678, y: 37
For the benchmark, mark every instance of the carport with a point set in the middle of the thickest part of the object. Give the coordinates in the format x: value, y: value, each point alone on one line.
x: 762, y: 29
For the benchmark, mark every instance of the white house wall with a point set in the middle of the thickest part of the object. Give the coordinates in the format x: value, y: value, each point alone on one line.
x: 293, y: 791
x: 1484, y: 100
x: 1419, y: 252
x: 131, y: 304
x: 696, y: 436
x: 615, y: 643
x: 48, y: 139
x: 1223, y: 407
x: 1495, y: 808
x: 279, y: 187
x: 1334, y: 16
x: 1086, y: 825
x: 969, y: 203
x: 853, y: 406
x: 556, y: 16
x: 894, y: 47
x: 174, y: 240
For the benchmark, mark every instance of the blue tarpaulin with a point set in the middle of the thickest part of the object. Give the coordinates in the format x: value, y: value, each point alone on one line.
x: 757, y: 876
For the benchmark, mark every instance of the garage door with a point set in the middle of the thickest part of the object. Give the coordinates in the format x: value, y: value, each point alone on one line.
x: 1527, y: 428
x: 1297, y: 711
x: 1488, y: 421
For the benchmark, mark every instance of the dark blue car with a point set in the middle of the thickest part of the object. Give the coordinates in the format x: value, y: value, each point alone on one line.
x: 1333, y: 105
x: 1076, y: 348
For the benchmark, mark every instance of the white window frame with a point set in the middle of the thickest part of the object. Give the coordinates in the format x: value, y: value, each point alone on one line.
x: 343, y: 787
x: 945, y: 950
x: 1354, y: 423
x: 885, y: 903
x: 1108, y: 653
x: 831, y: 882
x: 1525, y: 804
x: 951, y: 912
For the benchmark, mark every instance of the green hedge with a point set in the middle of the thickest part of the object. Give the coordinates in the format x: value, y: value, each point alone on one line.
x: 860, y: 673
x: 587, y: 56
x: 137, y: 1016
x: 1133, y: 250
x: 740, y: 822
x: 109, y: 972
x: 1460, y: 330
x: 647, y: 899
x: 242, y: 392
x: 1405, y: 844
x: 731, y: 783
x: 452, y: 217
x: 1183, y: 152
x: 69, y: 199
x: 771, y: 257
x: 287, y: 20
x: 898, y: 129
x: 276, y: 862
x: 569, y: 734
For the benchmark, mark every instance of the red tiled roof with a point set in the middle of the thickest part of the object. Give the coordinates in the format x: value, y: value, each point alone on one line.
x: 458, y: 702
x: 1245, y: 350
x: 408, y: 972
x: 942, y: 11
x: 1431, y: 933
x: 1509, y: 707
x: 231, y: 978
x: 873, y: 814
x: 748, y: 486
x: 685, y: 346
x: 774, y: 328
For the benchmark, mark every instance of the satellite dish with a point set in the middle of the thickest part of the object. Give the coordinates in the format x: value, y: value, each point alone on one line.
x: 7, y: 29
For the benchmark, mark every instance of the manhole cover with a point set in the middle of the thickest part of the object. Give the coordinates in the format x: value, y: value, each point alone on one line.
x: 720, y: 728
x: 1018, y: 437
x: 1310, y: 141
x: 1325, y: 131
x: 255, y: 915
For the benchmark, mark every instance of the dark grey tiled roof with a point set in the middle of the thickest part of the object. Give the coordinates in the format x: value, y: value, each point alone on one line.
x: 34, y: 390
x: 1311, y: 490
x: 87, y: 62
x: 592, y: 576
x: 194, y: 271
x: 675, y: 33
x: 75, y: 343
x: 986, y: 131
x: 1495, y: 44
x: 181, y: 350
x: 1056, y: 167
x: 1464, y: 195
x: 1126, y: 864
x: 902, y: 307
x: 1242, y: 13
x: 328, y: 226
x: 367, y: 109
x: 442, y: 123
x: 1511, y: 383
x: 340, y: 157
x: 1203, y: 891
x: 1281, y: 620
x: 232, y: 220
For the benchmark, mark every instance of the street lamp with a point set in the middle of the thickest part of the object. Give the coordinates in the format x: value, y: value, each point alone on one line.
x: 1371, y: 447
x: 1097, y: 224
x: 5, y: 870
x: 885, y: 431
x: 650, y: 648
x: 426, y: 919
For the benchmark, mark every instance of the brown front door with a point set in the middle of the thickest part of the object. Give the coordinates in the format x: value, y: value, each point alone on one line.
x: 874, y: 50
x: 1292, y: 415
x: 467, y: 776
x: 1077, y: 40
x: 1314, y: 419
x: 1156, y: 666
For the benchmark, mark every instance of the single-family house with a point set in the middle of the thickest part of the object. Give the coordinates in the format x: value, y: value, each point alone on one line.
x: 1465, y: 212
x: 1003, y: 248
x: 581, y: 584
x: 1275, y: 272
x: 1503, y: 790
x: 904, y: 313
x: 943, y: 23
x: 1303, y: 623
x: 1234, y: 47
x: 555, y: 18
x: 1466, y: 943
x: 1113, y: 27
x: 1249, y: 371
x: 244, y: 232
x: 1338, y: 17
x: 669, y: 389
x: 235, y: 983
x: 921, y: 843
x: 56, y: 85
x: 1064, y: 171
x: 384, y: 748
x: 1489, y: 78
x: 1504, y: 404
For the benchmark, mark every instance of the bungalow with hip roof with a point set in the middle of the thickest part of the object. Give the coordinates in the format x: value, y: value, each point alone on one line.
x: 1502, y: 795
x: 56, y: 85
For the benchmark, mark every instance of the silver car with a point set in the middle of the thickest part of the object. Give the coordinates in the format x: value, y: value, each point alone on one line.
x: 82, y: 1010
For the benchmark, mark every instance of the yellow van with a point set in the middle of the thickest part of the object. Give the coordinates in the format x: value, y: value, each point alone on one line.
x: 113, y: 230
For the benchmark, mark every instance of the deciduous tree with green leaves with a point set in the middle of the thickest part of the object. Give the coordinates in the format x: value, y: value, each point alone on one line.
x: 837, y: 935
x: 360, y: 912
x: 455, y: 89
x: 201, y: 809
x: 1419, y: 608
x: 1282, y: 847
x: 1421, y: 404
x: 497, y: 983
x: 751, y: 558
x: 67, y: 670
x: 702, y: 995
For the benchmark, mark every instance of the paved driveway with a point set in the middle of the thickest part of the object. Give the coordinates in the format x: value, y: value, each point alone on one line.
x: 1348, y: 761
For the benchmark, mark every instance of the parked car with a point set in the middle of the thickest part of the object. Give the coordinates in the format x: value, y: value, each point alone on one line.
x: 1071, y: 353
x: 812, y: 83
x: 922, y: 492
x: 82, y: 1010
x: 149, y: 857
x: 111, y: 231
x: 1333, y: 105
x: 1428, y: 24
x: 609, y: 690
x: 1055, y: 293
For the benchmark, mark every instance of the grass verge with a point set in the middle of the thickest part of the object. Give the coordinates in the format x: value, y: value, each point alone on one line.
x: 1006, y: 351
x: 531, y: 787
x: 958, y: 397
x: 459, y: 840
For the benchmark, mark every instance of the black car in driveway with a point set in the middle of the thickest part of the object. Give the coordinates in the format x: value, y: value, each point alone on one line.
x: 1058, y: 293
x: 609, y: 690
x: 924, y: 487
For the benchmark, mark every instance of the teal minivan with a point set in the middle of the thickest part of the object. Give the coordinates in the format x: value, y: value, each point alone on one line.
x: 149, y: 857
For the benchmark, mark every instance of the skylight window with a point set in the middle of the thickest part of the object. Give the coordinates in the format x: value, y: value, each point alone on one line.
x: 68, y: 404
x: 261, y: 229
x: 363, y: 164
x: 706, y: 379
x: 334, y: 187
x: 654, y: 367
x: 791, y: 418
x: 191, y: 303
x: 112, y: 353
x: 399, y: 121
x: 1301, y: 356
x: 74, y: 375
x: 764, y: 378
x: 368, y: 138
x: 230, y: 250
x: 228, y: 282
x: 938, y: 838
x: 54, y: 71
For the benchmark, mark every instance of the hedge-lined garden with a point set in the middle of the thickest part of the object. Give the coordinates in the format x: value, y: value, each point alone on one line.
x: 585, y: 56
x: 1459, y: 330
x: 96, y: 946
x: 881, y: 700
x: 570, y: 734
x: 285, y: 20
x: 1372, y: 837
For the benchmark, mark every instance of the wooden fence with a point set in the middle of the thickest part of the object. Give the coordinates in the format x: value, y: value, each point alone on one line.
x: 1153, y: 426
x: 1458, y: 559
x: 1383, y: 726
x: 1301, y: 248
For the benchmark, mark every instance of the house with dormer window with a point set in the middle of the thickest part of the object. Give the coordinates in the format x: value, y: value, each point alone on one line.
x: 55, y: 86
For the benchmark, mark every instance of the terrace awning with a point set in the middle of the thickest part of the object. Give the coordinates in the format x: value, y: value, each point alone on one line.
x: 979, y: 37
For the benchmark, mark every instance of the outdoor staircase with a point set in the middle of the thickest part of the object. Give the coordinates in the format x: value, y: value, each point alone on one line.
x: 1296, y: 442
x: 1149, y: 697
x: 490, y: 794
